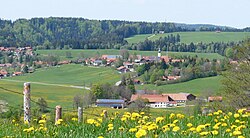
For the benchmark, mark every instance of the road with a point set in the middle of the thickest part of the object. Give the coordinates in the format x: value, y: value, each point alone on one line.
x: 50, y: 84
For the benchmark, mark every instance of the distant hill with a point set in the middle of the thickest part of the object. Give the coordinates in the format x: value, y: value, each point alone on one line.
x: 195, y: 37
x: 206, y: 27
x: 79, y: 33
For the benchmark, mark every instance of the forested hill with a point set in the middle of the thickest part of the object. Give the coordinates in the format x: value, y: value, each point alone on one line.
x: 56, y: 32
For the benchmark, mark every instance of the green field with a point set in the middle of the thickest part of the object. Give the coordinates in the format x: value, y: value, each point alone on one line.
x: 199, y: 87
x: 72, y: 74
x: 56, y: 83
x: 93, y: 53
x: 188, y: 37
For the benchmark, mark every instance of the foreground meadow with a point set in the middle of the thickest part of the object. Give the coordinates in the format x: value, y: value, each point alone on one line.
x: 217, y: 124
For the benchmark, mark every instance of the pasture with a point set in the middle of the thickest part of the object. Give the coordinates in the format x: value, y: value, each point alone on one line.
x: 55, y: 84
x: 196, y: 37
x: 199, y: 87
x: 98, y: 52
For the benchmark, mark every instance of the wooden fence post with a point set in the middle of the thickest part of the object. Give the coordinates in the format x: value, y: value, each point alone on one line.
x: 26, y: 102
x: 58, y: 113
x: 105, y: 112
x: 80, y: 114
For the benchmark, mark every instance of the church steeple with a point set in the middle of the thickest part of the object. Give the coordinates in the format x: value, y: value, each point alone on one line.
x: 159, y: 53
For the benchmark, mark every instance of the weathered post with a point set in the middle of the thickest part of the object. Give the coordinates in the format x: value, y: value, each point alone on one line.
x: 79, y: 114
x: 105, y: 112
x: 26, y: 102
x: 58, y: 113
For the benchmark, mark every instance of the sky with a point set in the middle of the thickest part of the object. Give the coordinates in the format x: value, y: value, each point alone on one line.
x: 232, y: 13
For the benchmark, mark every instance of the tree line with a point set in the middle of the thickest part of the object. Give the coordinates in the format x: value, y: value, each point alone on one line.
x: 79, y: 33
x: 172, y: 43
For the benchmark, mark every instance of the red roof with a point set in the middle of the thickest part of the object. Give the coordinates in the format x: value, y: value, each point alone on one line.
x: 173, y: 77
x: 17, y: 73
x: 177, y: 96
x: 3, y: 72
x: 166, y: 59
x: 152, y: 98
x: 121, y: 67
x: 215, y: 98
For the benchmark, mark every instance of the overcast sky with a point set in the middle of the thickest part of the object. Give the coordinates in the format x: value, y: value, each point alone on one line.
x: 233, y: 13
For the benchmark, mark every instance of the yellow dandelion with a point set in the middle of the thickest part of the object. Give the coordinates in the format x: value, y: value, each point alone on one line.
x: 74, y: 119
x: 110, y: 125
x: 90, y: 121
x: 215, y: 132
x: 159, y: 119
x: 121, y: 128
x: 141, y: 133
x: 237, y: 133
x: 189, y: 125
x: 110, y: 128
x: 228, y: 130
x: 175, y: 129
x: 236, y: 115
x: 204, y: 133
x: 132, y: 130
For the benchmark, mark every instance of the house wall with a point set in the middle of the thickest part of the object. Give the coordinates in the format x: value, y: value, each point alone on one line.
x: 159, y: 105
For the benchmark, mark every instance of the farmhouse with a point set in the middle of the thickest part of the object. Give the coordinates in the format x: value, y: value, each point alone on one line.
x: 165, y: 100
x: 114, y: 103
x: 154, y: 100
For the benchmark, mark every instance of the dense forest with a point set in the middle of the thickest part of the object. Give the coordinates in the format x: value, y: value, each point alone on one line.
x: 78, y: 33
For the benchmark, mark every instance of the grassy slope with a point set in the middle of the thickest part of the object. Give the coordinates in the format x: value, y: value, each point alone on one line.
x: 72, y: 75
x: 67, y: 74
x: 92, y: 53
x: 188, y: 37
x: 197, y: 86
x: 54, y: 95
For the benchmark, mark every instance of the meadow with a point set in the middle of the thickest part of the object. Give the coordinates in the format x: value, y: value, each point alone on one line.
x: 98, y: 52
x: 133, y: 125
x: 196, y: 37
x: 199, y: 87
x: 54, y: 84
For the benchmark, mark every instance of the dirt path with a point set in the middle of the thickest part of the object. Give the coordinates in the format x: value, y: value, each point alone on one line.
x: 50, y: 84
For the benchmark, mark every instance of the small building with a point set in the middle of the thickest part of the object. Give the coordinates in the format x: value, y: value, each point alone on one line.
x: 97, y: 62
x: 122, y: 69
x: 214, y: 99
x: 169, y: 78
x: 63, y: 62
x: 3, y: 73
x: 113, y: 103
x: 17, y: 73
x: 136, y: 81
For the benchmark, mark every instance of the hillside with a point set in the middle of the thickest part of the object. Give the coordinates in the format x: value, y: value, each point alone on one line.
x: 78, y: 33
x: 200, y: 87
x: 188, y: 37
x: 91, y: 53
x: 55, y: 84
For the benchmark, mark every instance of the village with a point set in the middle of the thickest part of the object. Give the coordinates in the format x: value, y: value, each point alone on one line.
x: 153, y: 99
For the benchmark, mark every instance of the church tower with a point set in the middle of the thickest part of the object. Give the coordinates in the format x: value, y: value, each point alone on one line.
x: 159, y: 54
